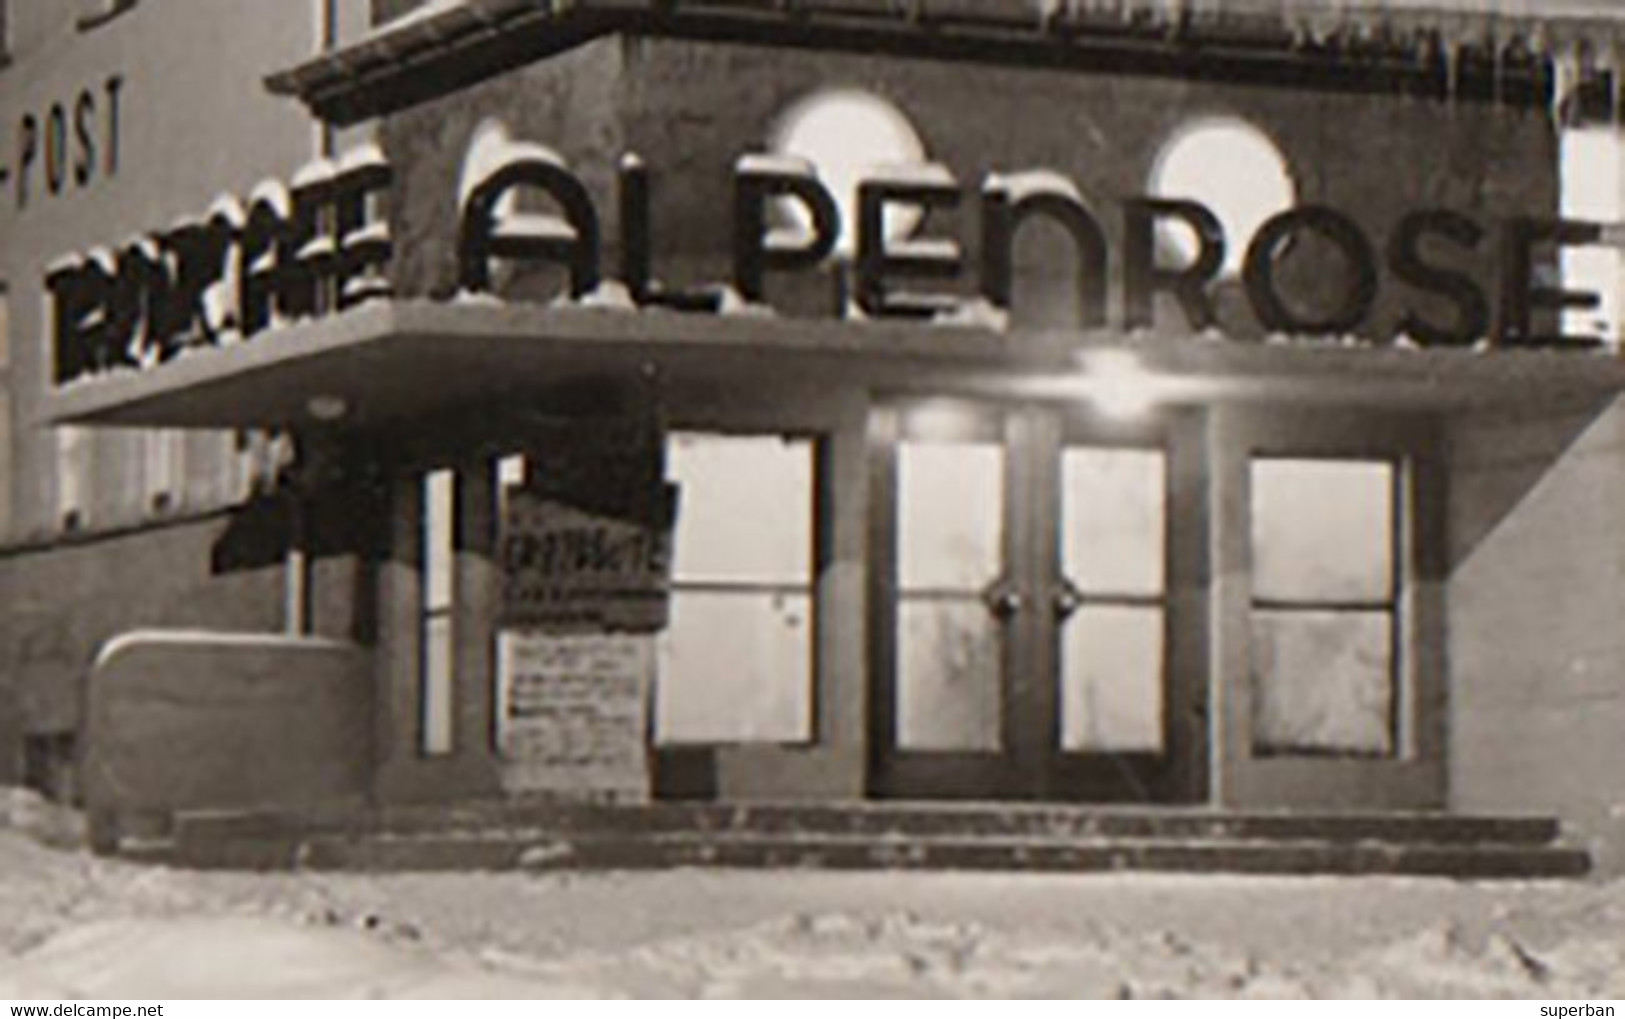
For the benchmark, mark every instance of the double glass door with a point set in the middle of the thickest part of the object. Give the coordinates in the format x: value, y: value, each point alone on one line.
x: 1023, y: 609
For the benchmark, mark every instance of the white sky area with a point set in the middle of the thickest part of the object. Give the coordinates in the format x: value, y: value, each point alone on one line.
x: 1591, y: 190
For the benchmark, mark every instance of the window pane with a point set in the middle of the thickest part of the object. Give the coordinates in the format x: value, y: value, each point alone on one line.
x: 736, y: 657
x: 1323, y: 530
x: 437, y: 686
x: 947, y: 675
x: 950, y: 515
x: 510, y: 474
x: 1323, y: 682
x: 1112, y: 520
x: 745, y: 508
x: 73, y: 453
x: 439, y: 512
x: 1111, y: 680
x: 511, y: 470
x: 736, y: 667
x: 163, y: 468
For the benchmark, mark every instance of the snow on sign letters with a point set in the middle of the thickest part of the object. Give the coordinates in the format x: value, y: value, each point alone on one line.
x: 325, y: 244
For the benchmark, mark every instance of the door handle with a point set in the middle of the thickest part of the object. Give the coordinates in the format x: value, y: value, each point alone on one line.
x: 1003, y: 599
x: 1067, y: 599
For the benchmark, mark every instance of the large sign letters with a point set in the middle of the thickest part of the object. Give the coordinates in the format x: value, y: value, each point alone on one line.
x: 321, y: 246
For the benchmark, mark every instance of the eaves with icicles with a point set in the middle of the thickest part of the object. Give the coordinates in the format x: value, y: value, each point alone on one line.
x: 1564, y: 55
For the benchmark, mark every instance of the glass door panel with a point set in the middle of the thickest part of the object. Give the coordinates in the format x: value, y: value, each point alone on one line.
x: 950, y: 540
x: 1109, y: 605
x: 1111, y: 686
x: 1022, y: 591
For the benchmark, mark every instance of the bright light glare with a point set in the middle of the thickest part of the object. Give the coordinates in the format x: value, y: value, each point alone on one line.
x: 944, y: 420
x: 1118, y: 384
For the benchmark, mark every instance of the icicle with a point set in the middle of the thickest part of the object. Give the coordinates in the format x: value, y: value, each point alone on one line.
x: 1605, y: 65
x: 1566, y: 71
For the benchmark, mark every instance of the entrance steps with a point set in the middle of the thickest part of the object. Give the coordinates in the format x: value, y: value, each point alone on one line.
x: 546, y: 836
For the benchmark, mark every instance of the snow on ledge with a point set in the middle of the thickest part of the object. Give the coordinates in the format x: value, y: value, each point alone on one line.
x: 133, y: 639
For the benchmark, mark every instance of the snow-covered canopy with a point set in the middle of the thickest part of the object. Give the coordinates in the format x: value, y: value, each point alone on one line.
x: 1474, y: 20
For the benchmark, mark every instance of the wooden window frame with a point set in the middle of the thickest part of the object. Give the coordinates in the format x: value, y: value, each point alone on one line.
x: 817, y: 455
x: 1413, y: 777
x: 1401, y: 635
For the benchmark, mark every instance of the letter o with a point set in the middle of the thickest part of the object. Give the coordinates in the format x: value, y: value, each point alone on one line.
x: 1258, y: 273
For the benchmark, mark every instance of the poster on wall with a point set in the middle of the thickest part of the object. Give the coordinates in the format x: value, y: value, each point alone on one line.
x: 569, y: 568
x: 575, y: 718
x: 586, y: 572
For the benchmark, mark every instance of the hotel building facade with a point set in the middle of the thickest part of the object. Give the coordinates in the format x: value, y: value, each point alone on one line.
x: 1179, y: 405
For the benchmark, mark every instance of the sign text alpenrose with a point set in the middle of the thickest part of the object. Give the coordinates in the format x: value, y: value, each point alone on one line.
x: 322, y: 245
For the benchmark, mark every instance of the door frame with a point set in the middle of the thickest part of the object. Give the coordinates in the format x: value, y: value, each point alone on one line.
x: 1031, y: 764
x: 1180, y: 773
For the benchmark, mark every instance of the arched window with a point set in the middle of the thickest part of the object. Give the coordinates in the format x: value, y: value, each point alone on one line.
x: 1231, y: 167
x: 845, y: 133
x: 1593, y: 169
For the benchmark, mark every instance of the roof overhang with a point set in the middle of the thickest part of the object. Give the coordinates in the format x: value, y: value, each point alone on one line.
x: 1499, y: 50
x: 392, y: 362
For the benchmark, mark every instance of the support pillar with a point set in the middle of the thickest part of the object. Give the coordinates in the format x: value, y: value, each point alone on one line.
x: 404, y: 772
x: 476, y: 593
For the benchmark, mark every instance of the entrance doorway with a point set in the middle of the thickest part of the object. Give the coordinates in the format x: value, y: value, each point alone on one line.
x: 1025, y: 607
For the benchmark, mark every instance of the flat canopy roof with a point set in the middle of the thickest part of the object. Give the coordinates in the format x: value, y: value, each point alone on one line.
x: 391, y: 362
x: 1499, y: 50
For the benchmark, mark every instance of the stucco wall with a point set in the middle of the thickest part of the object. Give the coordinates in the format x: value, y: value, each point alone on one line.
x: 61, y: 604
x: 1537, y: 595
x: 191, y: 720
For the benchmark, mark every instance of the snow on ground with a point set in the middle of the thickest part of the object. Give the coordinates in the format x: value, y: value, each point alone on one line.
x: 73, y: 925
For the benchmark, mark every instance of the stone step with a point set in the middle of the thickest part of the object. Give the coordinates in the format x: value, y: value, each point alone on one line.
x: 884, y: 819
x: 543, y: 851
